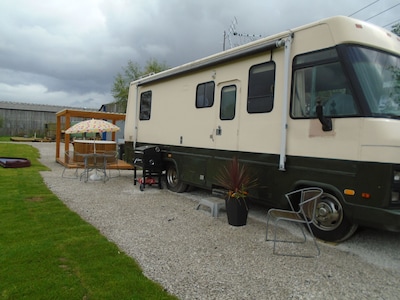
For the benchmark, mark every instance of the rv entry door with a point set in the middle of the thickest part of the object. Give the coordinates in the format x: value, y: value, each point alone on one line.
x: 227, y: 121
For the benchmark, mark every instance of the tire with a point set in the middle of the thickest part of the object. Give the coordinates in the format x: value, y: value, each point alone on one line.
x: 331, y: 223
x: 173, y: 182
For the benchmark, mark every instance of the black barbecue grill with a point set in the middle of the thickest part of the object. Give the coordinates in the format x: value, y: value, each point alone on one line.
x: 149, y: 159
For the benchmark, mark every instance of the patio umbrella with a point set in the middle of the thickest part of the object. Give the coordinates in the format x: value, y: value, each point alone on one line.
x: 92, y: 126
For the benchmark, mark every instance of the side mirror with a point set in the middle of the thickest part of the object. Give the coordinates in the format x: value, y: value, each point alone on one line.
x: 326, y: 122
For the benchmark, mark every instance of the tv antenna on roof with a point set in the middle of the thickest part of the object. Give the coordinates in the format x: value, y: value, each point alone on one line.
x: 243, y: 37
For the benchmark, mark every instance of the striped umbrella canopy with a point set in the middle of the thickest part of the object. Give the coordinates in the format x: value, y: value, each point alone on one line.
x: 93, y: 125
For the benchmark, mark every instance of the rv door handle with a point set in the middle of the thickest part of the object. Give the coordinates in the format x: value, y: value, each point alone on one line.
x: 218, y: 131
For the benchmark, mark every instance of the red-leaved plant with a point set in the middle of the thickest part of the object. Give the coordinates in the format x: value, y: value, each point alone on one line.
x: 235, y: 178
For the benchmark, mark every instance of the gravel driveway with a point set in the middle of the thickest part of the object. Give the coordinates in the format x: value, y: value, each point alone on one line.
x: 195, y: 256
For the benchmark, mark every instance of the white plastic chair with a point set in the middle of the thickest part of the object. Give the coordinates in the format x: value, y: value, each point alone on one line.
x: 302, y: 204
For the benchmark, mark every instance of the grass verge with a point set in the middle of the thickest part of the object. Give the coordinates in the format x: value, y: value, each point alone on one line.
x: 49, y: 252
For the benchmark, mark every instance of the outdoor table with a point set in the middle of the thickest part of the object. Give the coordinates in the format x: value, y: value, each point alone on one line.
x: 94, y: 161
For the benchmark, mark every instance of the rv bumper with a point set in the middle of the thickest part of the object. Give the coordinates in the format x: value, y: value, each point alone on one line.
x: 386, y: 219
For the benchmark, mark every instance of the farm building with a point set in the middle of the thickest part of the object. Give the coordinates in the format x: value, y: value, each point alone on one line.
x: 27, y: 120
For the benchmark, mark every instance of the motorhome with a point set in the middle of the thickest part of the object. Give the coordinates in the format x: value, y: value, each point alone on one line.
x: 318, y: 105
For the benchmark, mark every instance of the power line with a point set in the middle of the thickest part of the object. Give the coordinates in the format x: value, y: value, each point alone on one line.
x: 396, y: 21
x: 383, y: 12
x: 363, y: 8
x: 372, y: 3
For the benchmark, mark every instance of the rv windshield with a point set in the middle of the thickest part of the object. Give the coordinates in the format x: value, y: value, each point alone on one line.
x: 378, y: 74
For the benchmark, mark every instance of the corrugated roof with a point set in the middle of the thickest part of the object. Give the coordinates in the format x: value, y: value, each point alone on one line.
x: 35, y: 107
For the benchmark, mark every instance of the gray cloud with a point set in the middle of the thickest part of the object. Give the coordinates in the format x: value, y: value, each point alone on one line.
x: 68, y: 52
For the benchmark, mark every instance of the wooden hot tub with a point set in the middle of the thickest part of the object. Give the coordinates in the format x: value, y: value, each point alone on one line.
x: 87, y: 147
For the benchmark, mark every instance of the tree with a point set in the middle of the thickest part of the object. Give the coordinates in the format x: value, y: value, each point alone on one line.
x: 396, y: 70
x: 396, y: 29
x: 153, y: 66
x: 132, y: 72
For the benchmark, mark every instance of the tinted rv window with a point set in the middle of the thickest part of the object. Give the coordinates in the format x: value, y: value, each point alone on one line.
x: 205, y: 94
x: 378, y: 74
x: 228, y: 103
x: 260, y: 98
x: 319, y: 77
x: 145, y: 106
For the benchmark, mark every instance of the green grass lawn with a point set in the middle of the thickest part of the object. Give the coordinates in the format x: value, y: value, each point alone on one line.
x: 49, y: 252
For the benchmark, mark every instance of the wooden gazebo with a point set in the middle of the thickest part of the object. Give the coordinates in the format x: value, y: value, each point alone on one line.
x: 64, y: 122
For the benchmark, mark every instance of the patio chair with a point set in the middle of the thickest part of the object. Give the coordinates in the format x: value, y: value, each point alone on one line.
x: 111, y: 159
x: 88, y: 162
x: 302, y: 204
x: 69, y: 163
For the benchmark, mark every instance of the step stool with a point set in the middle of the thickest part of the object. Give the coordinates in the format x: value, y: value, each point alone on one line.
x: 215, y: 204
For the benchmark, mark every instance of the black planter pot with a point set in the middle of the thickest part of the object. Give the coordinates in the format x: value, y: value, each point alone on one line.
x: 236, y: 210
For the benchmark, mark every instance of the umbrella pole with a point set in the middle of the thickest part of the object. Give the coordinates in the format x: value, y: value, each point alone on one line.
x: 95, y: 176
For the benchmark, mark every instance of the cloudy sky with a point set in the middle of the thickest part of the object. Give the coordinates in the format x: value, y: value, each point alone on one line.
x: 68, y: 52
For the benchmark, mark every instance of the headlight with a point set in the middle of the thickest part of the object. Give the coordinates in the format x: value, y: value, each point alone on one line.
x: 396, y: 187
x: 395, y: 197
x: 396, y: 176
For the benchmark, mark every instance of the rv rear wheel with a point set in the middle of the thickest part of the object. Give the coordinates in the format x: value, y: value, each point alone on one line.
x: 331, y: 223
x: 173, y: 182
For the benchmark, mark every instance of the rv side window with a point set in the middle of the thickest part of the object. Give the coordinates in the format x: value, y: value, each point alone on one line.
x: 228, y: 103
x: 260, y: 98
x: 319, y: 78
x: 145, y: 106
x: 205, y: 94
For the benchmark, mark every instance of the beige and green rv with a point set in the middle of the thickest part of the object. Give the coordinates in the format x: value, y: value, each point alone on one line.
x: 318, y: 105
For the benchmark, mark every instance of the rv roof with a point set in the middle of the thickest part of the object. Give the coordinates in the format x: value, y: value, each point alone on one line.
x: 221, y: 57
x: 340, y: 30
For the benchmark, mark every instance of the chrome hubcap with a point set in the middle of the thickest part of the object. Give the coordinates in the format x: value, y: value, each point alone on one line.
x: 329, y: 213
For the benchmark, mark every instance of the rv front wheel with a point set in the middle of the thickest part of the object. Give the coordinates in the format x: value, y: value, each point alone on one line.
x: 331, y: 223
x: 173, y: 182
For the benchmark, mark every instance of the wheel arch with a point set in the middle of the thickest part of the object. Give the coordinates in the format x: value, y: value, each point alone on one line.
x: 173, y: 176
x: 325, y: 186
x: 328, y: 188
x: 168, y: 160
x: 347, y: 227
